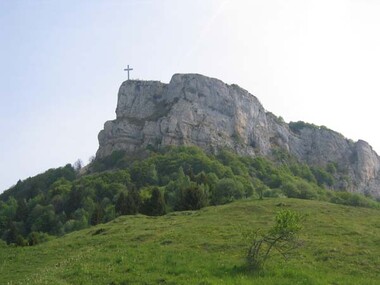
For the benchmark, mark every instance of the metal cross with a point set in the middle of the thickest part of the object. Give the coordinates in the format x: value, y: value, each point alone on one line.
x: 128, y: 69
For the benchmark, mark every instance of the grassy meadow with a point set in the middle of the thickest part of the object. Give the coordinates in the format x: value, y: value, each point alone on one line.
x: 341, y: 245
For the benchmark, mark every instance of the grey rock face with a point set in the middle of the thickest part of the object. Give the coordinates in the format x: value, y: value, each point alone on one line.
x: 197, y: 110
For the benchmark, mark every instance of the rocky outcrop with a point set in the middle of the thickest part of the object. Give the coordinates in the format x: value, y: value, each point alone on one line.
x: 197, y: 110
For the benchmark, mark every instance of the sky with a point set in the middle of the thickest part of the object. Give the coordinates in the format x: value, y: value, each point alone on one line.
x: 62, y: 65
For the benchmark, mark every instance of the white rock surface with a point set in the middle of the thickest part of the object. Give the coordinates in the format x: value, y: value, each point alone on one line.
x: 197, y: 110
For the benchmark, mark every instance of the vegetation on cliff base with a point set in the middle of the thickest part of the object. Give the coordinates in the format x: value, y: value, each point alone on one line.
x: 60, y: 200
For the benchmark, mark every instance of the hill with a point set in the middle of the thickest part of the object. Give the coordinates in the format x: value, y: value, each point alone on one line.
x: 341, y: 246
x: 196, y: 110
x: 63, y: 200
x: 176, y: 160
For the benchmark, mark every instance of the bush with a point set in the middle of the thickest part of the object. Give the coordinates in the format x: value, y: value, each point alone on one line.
x: 35, y: 238
x: 353, y: 199
x: 299, y: 189
x: 273, y: 193
x: 323, y: 177
x: 282, y: 237
x: 291, y: 190
x: 296, y: 127
x: 227, y: 190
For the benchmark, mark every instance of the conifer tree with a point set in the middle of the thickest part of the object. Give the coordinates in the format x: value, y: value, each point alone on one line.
x: 156, y: 203
x: 12, y: 234
x: 133, y: 202
x: 121, y: 204
x: 192, y: 198
x: 22, y: 210
x: 97, y: 215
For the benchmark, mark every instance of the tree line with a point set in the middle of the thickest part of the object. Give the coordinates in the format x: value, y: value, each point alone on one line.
x: 173, y: 179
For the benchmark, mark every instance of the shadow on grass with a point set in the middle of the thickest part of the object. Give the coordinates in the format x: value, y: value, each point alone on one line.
x: 283, y: 275
x: 240, y: 270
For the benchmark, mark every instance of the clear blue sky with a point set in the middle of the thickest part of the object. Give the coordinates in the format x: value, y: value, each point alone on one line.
x: 62, y: 64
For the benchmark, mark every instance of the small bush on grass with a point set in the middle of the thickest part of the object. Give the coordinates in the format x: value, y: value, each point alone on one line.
x: 282, y: 237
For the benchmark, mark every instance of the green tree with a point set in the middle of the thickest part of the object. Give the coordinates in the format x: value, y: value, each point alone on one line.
x: 22, y: 210
x: 227, y: 190
x: 12, y: 233
x: 35, y: 238
x: 144, y: 173
x: 192, y: 198
x: 174, y: 189
x: 43, y: 219
x: 156, y: 204
x: 201, y: 178
x: 133, y: 202
x: 121, y: 204
x: 109, y: 213
x: 97, y: 215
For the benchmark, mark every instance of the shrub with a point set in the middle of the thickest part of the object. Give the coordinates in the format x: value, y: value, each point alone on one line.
x: 323, y: 177
x: 291, y: 190
x: 353, y: 199
x: 227, y: 190
x: 282, y: 237
x: 35, y: 238
x: 296, y: 127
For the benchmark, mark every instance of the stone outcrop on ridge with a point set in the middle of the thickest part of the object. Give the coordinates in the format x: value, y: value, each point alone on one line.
x: 197, y: 110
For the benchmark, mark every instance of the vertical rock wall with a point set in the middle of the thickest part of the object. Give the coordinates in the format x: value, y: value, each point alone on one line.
x: 197, y: 110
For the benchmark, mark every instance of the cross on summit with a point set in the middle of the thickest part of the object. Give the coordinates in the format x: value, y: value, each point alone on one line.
x: 128, y: 69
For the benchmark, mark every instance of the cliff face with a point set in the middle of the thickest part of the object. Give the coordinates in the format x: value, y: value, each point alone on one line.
x: 197, y: 110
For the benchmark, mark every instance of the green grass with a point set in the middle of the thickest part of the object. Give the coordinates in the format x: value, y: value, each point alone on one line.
x: 341, y: 246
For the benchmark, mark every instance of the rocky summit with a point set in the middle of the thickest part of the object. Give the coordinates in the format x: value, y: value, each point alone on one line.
x: 197, y: 110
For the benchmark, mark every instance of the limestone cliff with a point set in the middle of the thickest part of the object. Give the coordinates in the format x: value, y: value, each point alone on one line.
x: 197, y: 110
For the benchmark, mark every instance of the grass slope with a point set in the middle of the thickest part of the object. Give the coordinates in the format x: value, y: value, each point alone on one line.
x: 341, y: 246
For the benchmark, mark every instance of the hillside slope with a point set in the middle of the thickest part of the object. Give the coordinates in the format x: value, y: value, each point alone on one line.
x: 341, y: 246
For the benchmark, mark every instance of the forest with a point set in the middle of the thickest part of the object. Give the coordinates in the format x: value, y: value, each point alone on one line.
x: 67, y: 199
